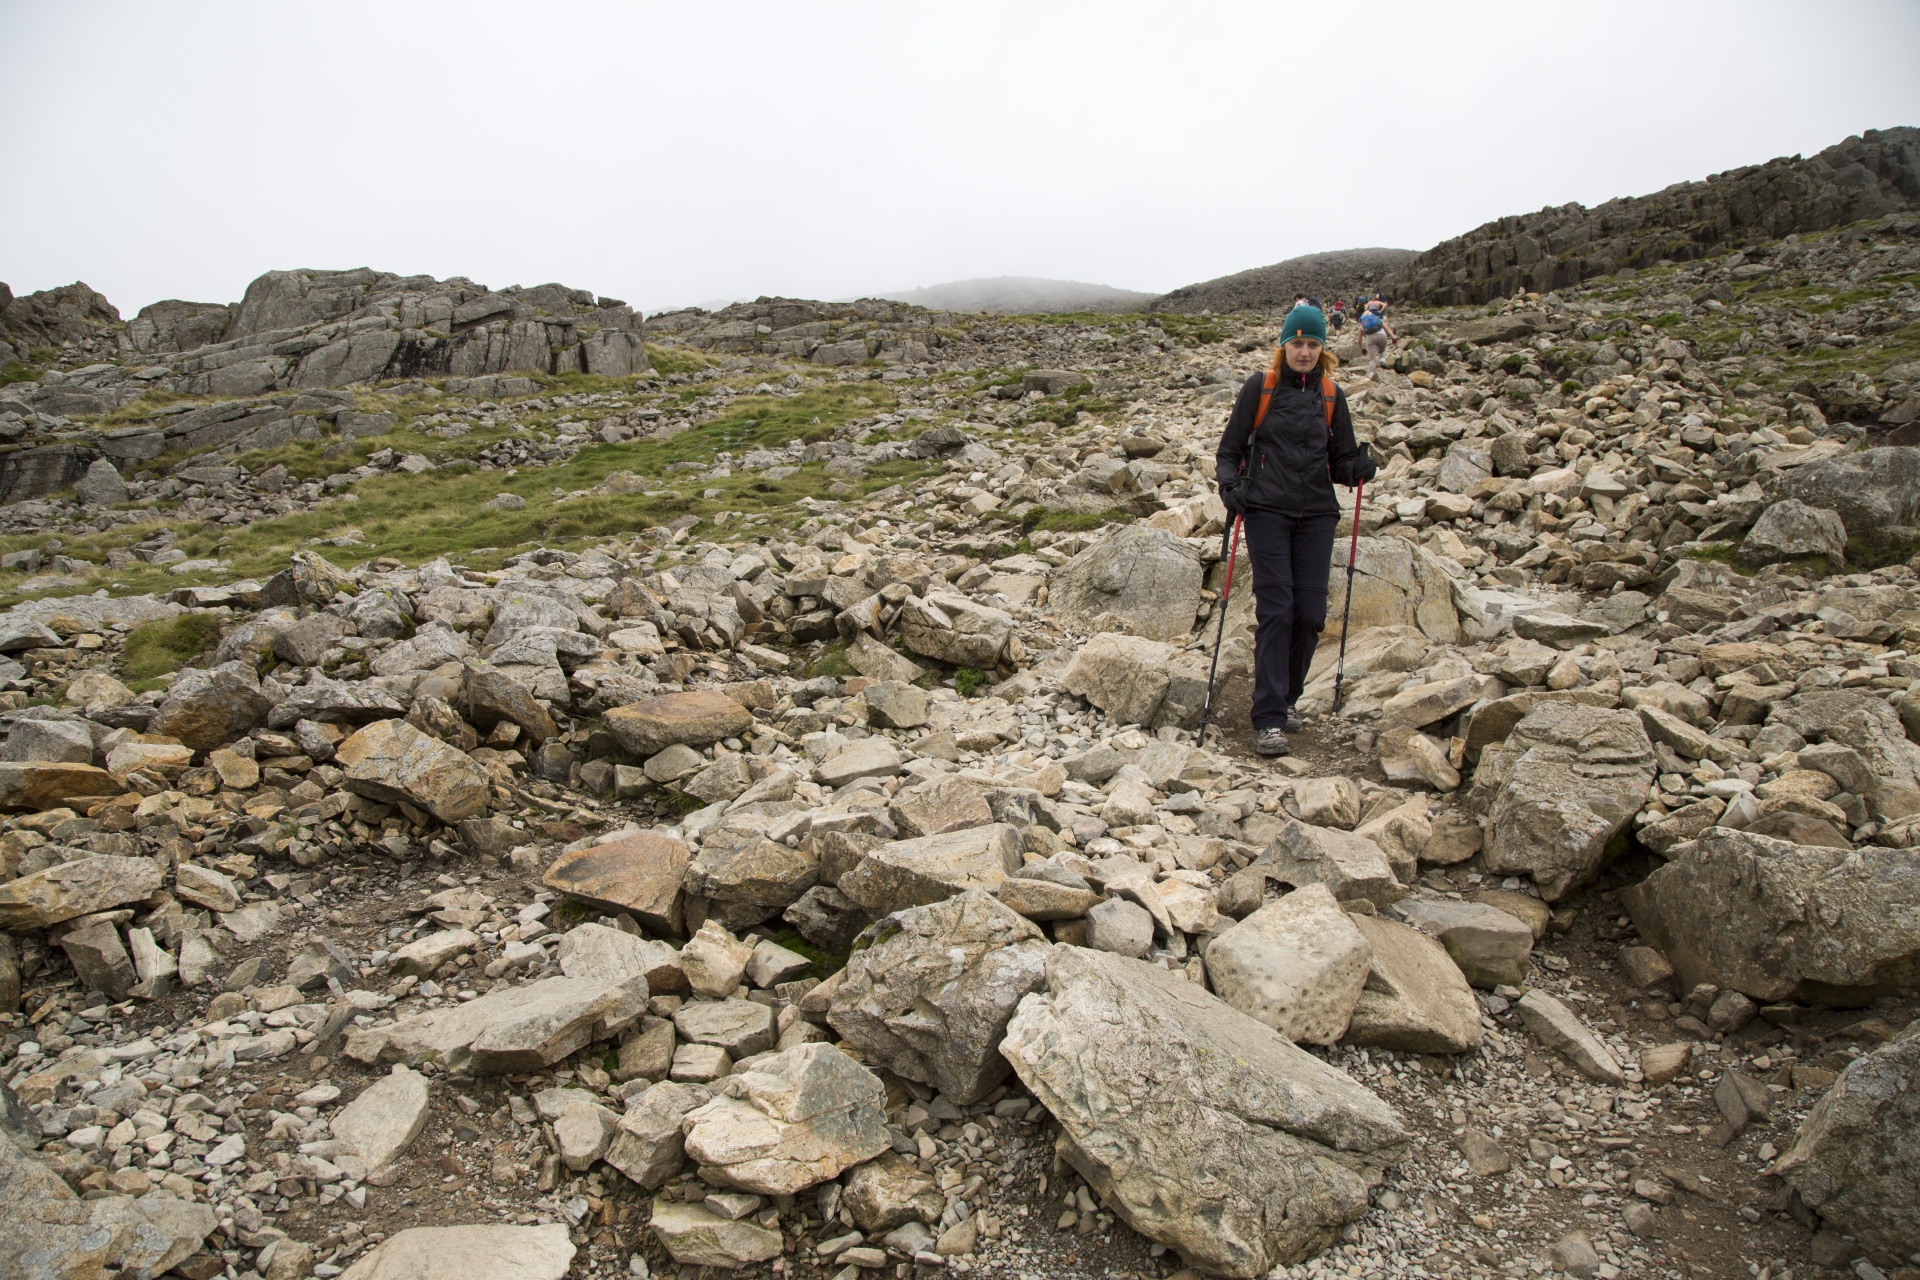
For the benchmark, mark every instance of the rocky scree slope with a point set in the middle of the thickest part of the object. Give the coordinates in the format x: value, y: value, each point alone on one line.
x: 1342, y: 273
x: 842, y: 888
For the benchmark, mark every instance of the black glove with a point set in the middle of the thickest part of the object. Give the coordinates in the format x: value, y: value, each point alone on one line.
x: 1364, y: 467
x: 1231, y: 499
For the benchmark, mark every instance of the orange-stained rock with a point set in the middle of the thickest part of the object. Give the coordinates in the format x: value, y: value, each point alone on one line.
x: 695, y: 718
x: 640, y: 874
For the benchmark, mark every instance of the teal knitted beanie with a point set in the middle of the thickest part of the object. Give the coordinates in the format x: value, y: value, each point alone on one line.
x: 1304, y: 322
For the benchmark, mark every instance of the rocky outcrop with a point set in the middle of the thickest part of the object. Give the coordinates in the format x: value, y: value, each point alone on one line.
x: 1340, y: 273
x: 1856, y: 1159
x: 930, y: 997
x: 1142, y: 580
x: 1192, y: 1120
x: 1779, y: 921
x: 1565, y: 782
x: 1867, y: 176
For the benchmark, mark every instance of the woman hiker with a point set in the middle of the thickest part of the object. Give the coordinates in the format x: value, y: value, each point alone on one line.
x: 1277, y: 474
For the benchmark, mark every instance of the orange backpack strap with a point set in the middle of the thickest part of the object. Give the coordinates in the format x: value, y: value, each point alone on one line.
x: 1330, y: 393
x: 1267, y: 385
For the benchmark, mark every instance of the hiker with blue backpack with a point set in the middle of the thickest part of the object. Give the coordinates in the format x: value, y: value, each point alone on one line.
x: 1288, y: 441
x: 1375, y: 335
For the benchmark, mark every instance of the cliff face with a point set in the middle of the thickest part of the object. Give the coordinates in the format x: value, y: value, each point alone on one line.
x: 1863, y: 177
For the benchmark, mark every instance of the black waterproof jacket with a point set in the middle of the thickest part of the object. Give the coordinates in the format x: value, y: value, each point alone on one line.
x: 1293, y: 462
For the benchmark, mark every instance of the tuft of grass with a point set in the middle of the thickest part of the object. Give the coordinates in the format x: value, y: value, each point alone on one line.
x: 832, y: 663
x: 14, y: 371
x: 668, y: 361
x: 968, y: 681
x: 162, y: 647
x: 1073, y: 521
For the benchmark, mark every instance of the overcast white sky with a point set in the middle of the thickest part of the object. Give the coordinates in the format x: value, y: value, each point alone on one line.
x: 668, y: 154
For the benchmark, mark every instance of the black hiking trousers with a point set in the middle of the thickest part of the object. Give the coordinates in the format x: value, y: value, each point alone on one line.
x: 1292, y: 558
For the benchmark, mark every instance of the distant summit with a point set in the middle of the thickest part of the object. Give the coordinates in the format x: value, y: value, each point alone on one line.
x: 1021, y: 295
x: 1336, y: 274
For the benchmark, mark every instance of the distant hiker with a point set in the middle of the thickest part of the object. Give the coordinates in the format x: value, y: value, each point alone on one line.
x: 1375, y: 335
x: 1276, y: 471
x: 1337, y: 318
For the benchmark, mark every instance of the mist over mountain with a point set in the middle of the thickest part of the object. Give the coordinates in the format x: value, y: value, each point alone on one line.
x: 1021, y: 295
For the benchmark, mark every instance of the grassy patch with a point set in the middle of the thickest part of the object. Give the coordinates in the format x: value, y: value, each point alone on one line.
x: 160, y: 648
x: 968, y: 681
x: 440, y: 513
x: 671, y: 360
x: 1039, y: 517
x: 14, y: 371
x: 832, y: 663
x: 1861, y: 555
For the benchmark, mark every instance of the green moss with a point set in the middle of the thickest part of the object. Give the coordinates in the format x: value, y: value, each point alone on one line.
x: 967, y: 681
x: 825, y: 963
x: 159, y: 648
x: 1073, y: 521
x: 680, y: 801
x: 1861, y: 555
x: 832, y: 663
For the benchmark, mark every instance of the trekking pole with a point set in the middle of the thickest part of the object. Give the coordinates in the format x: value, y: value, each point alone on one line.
x: 1232, y: 538
x: 1346, y: 611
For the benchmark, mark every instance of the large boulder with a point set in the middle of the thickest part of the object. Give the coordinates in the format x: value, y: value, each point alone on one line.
x: 391, y: 761
x: 694, y: 719
x: 1565, y: 782
x: 1782, y: 921
x: 1416, y: 999
x: 1875, y: 492
x: 913, y: 873
x: 641, y: 873
x: 747, y: 881
x: 209, y: 708
x: 509, y: 1029
x: 1297, y: 965
x: 1856, y: 1159
x: 47, y: 1230
x: 790, y: 1121
x: 1203, y: 1128
x: 929, y: 999
x: 953, y: 629
x: 1792, y: 530
x: 1125, y: 676
x: 493, y: 1250
x: 1490, y: 947
x: 102, y: 486
x: 1350, y: 866
x: 1140, y: 580
x: 39, y: 785
x: 1395, y: 584
x: 77, y: 888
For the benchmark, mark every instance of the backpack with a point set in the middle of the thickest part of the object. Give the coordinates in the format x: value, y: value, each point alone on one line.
x: 1371, y: 322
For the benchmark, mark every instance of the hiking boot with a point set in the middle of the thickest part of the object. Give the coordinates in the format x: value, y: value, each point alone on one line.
x: 1270, y: 742
x: 1293, y: 722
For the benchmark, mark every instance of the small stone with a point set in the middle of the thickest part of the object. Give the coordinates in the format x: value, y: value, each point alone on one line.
x: 1574, y: 1254
x: 1484, y: 1156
